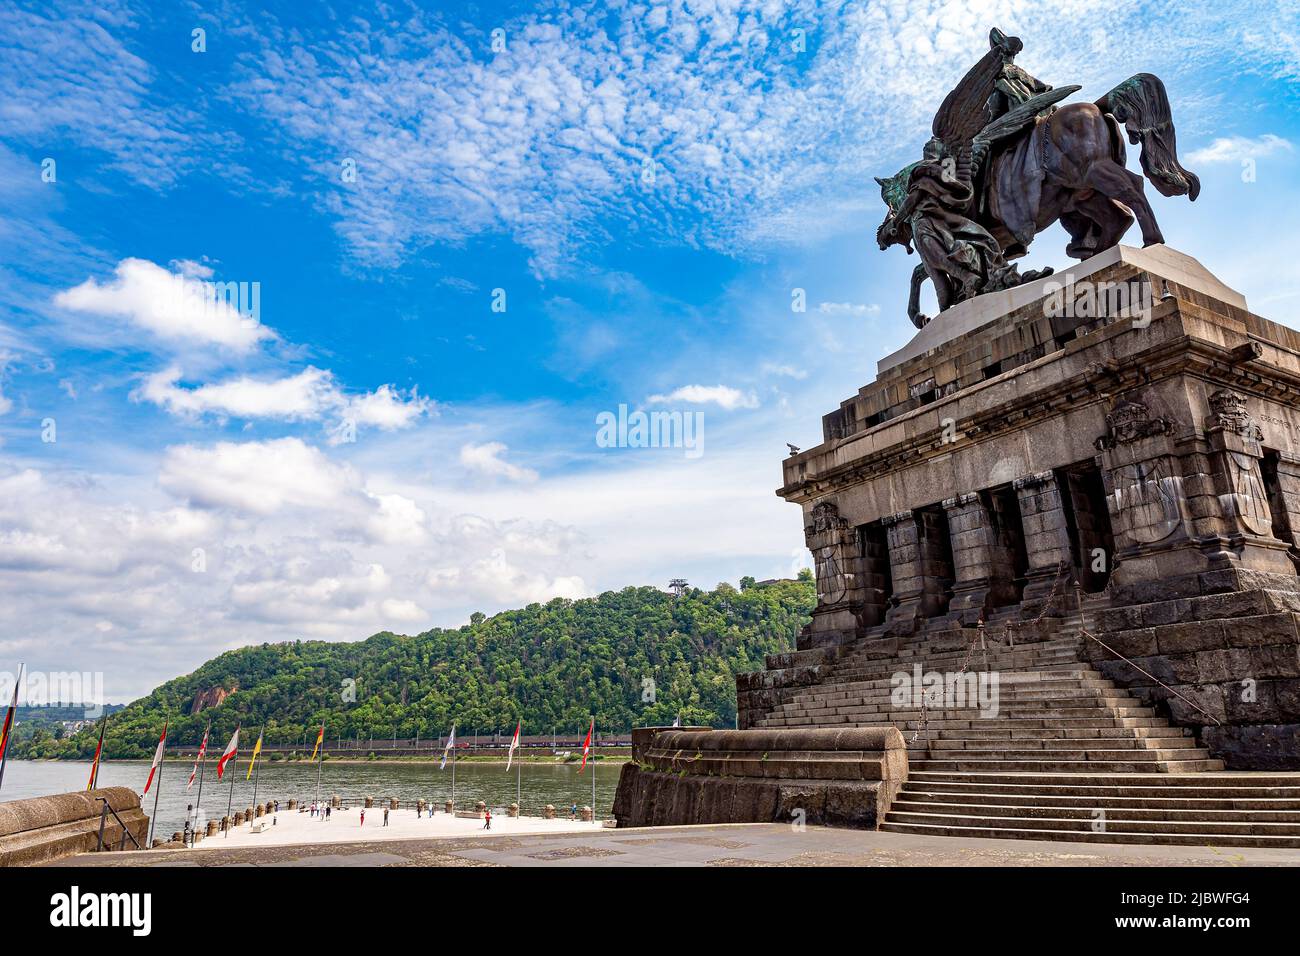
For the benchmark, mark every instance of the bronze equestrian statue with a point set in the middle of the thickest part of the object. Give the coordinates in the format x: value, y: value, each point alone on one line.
x: 1005, y: 162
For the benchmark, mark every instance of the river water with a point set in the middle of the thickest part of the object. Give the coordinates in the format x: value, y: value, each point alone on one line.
x: 554, y: 783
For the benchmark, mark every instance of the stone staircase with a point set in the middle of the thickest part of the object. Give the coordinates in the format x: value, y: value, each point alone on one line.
x: 1064, y: 754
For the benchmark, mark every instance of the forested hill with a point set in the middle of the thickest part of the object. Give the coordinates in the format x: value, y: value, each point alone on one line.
x: 550, y: 664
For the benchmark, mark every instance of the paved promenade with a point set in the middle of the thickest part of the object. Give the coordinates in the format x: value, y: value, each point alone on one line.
x: 344, y: 826
x: 760, y: 844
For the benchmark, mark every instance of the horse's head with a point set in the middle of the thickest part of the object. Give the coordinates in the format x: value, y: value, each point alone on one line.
x: 893, y: 191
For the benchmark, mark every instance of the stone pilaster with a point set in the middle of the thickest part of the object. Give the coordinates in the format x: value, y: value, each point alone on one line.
x: 837, y: 558
x: 981, y: 566
x: 1047, y: 542
x: 913, y: 563
x: 1234, y: 439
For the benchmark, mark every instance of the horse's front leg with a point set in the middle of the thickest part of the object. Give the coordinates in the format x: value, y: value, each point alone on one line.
x: 919, y: 275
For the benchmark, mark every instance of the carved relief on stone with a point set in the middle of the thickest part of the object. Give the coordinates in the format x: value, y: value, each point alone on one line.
x: 1145, y: 501
x: 1247, y: 501
x: 833, y: 544
x: 831, y: 585
x: 1228, y: 413
x: 1130, y: 421
x: 826, y: 517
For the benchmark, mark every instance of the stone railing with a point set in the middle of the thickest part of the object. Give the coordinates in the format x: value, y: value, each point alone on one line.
x: 844, y: 777
x: 47, y: 828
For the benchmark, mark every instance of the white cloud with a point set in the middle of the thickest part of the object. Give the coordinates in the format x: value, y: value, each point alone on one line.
x: 495, y: 579
x: 488, y: 459
x: 310, y: 395
x: 1234, y: 149
x: 172, y: 306
x: 257, y: 477
x: 848, y: 308
x: 724, y: 396
x: 786, y: 371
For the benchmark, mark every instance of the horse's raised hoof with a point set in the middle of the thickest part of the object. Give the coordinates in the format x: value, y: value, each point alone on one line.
x: 920, y: 320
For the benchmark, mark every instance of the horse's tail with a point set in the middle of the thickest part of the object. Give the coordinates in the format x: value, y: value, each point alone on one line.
x: 1142, y: 105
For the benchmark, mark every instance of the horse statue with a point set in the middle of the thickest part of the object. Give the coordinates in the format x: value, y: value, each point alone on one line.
x: 1005, y: 162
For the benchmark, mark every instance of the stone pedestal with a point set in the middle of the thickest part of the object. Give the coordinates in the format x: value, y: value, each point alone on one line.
x: 1144, y: 452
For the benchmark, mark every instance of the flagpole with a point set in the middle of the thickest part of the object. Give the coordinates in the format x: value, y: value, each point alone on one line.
x: 519, y: 771
x: 453, y: 769
x: 11, y: 720
x: 319, y: 759
x: 230, y: 801
x: 593, y: 768
x: 153, y: 821
x: 256, y: 768
x: 203, y: 765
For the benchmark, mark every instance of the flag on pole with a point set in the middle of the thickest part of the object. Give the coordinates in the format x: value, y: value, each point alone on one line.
x: 257, y: 749
x: 231, y: 750
x: 586, y: 744
x: 203, y: 752
x: 514, y: 745
x: 99, y: 749
x: 451, y: 742
x: 9, y: 724
x: 677, y: 721
x: 157, y: 757
x: 320, y: 735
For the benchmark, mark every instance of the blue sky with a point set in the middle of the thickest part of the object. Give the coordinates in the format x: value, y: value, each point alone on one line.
x: 646, y: 185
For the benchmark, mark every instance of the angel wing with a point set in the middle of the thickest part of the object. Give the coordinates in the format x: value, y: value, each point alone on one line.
x: 965, y: 111
x: 1018, y: 117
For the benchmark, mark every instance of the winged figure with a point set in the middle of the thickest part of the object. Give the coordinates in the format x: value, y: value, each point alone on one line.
x: 1004, y: 163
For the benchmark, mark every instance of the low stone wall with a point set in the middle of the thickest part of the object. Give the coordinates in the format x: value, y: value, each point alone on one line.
x: 46, y: 828
x: 680, y: 776
x: 1237, y: 655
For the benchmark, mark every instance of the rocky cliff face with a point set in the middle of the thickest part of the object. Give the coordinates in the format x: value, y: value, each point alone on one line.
x: 210, y: 698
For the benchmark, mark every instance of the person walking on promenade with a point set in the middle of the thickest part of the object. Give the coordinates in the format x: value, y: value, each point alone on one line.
x: 573, y: 813
x: 487, y: 818
x: 385, y: 816
x: 328, y: 808
x: 363, y: 817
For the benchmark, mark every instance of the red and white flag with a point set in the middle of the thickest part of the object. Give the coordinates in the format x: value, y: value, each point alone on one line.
x: 586, y: 744
x: 157, y: 757
x: 514, y: 745
x: 203, y: 752
x: 231, y: 750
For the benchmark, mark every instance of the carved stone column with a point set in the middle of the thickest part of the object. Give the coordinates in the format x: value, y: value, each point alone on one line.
x: 1047, y: 541
x: 838, y: 561
x: 982, y: 575
x: 918, y: 590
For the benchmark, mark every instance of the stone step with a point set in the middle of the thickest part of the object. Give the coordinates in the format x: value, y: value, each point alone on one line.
x: 883, y: 701
x: 843, y: 672
x: 1191, y: 761
x: 1031, y: 684
x: 884, y: 714
x: 1057, y: 733
x: 948, y: 797
x: 1117, y: 810
x: 942, y: 746
x: 1165, y: 781
x: 1007, y: 830
x: 1108, y: 824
